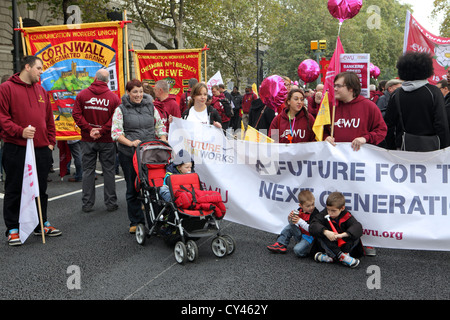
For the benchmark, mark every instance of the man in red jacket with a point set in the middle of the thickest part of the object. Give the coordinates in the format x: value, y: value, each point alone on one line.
x: 92, y: 112
x: 25, y: 113
x: 357, y: 119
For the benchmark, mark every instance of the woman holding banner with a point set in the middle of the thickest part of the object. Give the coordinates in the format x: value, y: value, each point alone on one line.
x: 294, y: 123
x: 197, y: 109
x: 134, y: 121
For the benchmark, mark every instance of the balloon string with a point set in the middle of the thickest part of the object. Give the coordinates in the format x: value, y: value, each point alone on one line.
x: 339, y: 31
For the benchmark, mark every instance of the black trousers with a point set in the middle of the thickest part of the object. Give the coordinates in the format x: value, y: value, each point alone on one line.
x: 13, y: 163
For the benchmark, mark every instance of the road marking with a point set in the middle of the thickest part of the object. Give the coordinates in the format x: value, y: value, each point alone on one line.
x: 2, y: 195
x: 78, y: 191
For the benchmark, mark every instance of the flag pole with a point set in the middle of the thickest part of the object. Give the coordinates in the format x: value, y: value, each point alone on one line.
x: 332, y: 120
x: 40, y: 219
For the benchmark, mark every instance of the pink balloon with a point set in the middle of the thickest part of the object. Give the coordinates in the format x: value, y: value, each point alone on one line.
x: 374, y: 70
x: 273, y: 92
x: 344, y: 9
x: 308, y: 70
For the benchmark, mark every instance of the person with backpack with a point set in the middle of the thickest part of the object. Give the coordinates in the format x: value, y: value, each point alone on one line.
x: 416, y: 109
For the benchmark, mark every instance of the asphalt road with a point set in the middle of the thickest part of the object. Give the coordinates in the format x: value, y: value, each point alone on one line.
x: 97, y: 259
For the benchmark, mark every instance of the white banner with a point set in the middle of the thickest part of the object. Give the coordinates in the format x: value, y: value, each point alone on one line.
x: 215, y: 80
x: 401, y: 198
x: 28, y: 216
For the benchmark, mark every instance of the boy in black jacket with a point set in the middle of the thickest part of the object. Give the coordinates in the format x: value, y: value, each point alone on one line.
x: 337, y: 245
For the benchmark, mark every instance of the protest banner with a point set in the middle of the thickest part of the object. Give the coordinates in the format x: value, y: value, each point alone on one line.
x: 174, y: 66
x: 359, y: 64
x: 416, y: 38
x: 71, y: 56
x: 400, y: 197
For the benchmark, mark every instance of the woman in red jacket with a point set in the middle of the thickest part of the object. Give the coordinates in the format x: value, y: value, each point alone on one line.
x: 294, y: 123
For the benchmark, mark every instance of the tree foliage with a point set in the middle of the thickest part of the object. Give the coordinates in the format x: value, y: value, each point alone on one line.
x: 443, y: 6
x: 378, y: 32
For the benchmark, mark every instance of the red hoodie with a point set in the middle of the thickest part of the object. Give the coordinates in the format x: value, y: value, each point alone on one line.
x: 22, y: 105
x: 219, y: 107
x: 247, y: 101
x: 301, y: 130
x: 94, y: 108
x: 171, y: 106
x: 358, y: 118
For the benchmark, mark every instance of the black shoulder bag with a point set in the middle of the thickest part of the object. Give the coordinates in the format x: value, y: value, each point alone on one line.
x: 412, y: 142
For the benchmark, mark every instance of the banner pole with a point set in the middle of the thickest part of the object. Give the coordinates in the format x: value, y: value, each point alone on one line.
x: 206, y: 68
x: 332, y: 121
x: 40, y: 219
x: 126, y: 46
x: 25, y: 51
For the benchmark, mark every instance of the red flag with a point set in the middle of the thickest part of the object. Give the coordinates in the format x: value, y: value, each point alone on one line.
x: 333, y: 70
x: 416, y: 38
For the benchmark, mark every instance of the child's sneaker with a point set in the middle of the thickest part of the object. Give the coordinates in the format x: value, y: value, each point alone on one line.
x: 277, y: 248
x: 323, y: 257
x: 347, y: 260
x: 48, y: 231
x: 13, y: 238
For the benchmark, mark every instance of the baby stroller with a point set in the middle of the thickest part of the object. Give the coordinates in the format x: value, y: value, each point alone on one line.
x: 179, y: 220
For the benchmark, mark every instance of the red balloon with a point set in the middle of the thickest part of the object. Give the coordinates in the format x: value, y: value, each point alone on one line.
x: 273, y: 92
x: 344, y: 9
x: 308, y: 70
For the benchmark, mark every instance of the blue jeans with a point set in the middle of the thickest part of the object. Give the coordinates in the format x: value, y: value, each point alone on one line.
x: 75, y: 150
x: 303, y: 246
x: 164, y: 192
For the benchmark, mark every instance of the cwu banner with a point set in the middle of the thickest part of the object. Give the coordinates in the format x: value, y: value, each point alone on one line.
x: 416, y: 38
x: 71, y: 55
x: 401, y: 198
x: 174, y: 66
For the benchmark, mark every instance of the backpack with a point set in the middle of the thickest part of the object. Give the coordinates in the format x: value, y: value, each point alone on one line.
x: 227, y: 107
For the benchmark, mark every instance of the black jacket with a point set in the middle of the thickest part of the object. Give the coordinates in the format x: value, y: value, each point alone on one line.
x: 423, y: 113
x: 255, y: 112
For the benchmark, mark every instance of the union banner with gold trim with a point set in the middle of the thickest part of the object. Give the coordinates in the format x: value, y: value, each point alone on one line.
x: 71, y: 55
x: 174, y: 66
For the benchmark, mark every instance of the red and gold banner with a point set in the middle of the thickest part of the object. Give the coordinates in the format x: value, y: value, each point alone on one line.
x: 72, y: 54
x: 174, y: 66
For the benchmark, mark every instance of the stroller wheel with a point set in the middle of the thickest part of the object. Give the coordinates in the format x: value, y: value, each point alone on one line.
x: 219, y: 247
x: 141, y: 233
x: 192, y: 250
x: 231, y: 243
x: 180, y: 252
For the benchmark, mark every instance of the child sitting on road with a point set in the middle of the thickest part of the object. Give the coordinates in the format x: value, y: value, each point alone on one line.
x: 340, y: 244
x: 298, y: 227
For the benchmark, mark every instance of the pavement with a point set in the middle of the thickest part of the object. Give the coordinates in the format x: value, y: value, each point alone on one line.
x: 96, y: 258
